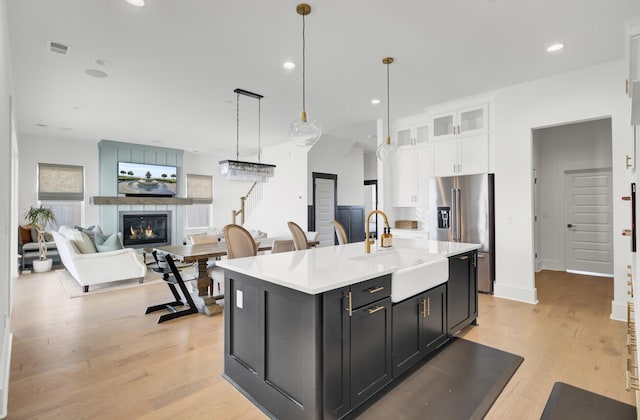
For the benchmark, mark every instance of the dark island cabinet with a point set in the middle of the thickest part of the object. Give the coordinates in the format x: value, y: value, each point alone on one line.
x: 356, y: 345
x: 462, y: 291
x: 419, y: 327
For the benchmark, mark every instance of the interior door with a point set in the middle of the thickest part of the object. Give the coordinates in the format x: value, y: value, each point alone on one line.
x: 325, y: 206
x: 589, y: 222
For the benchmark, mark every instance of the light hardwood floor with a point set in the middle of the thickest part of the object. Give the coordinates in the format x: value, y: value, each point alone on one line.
x: 100, y: 357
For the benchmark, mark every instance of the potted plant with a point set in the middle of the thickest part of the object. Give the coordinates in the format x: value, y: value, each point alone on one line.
x: 38, y: 217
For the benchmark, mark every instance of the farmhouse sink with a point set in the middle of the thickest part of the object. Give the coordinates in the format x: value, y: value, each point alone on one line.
x: 414, y: 272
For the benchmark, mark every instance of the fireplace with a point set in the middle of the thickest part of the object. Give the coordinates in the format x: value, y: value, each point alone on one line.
x: 143, y: 229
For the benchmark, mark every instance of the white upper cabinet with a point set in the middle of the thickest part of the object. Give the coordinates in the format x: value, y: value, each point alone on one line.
x: 633, y: 82
x: 461, y: 122
x: 462, y: 156
x: 411, y: 170
x: 413, y: 135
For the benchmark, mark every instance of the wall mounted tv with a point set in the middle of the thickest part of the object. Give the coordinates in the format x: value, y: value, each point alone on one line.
x: 146, y: 180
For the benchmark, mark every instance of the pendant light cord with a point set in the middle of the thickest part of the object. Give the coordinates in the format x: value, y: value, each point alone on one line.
x: 388, y: 101
x: 259, y: 119
x: 303, y: 67
x: 238, y: 126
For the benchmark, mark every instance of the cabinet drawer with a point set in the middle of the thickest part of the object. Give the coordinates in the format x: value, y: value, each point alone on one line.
x: 371, y: 290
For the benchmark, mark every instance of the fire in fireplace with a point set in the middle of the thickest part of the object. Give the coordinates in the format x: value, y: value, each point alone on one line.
x: 142, y: 229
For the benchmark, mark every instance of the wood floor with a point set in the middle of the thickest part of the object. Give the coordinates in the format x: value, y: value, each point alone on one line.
x: 100, y: 357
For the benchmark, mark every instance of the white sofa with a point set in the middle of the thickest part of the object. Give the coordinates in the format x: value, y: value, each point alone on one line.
x: 98, y: 267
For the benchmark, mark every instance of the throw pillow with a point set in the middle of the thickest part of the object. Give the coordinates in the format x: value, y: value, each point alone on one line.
x: 25, y: 233
x: 111, y: 243
x: 90, y: 232
x: 83, y: 243
x: 48, y: 237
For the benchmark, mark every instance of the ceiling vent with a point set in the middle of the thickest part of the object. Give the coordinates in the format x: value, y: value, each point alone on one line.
x: 59, y: 48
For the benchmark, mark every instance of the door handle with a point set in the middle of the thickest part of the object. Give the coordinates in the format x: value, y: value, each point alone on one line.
x: 569, y: 225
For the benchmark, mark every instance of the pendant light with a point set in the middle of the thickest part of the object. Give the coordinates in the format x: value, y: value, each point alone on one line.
x: 303, y: 132
x: 387, y: 149
x: 237, y: 170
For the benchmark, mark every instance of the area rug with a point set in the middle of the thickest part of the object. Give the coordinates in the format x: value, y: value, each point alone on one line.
x: 461, y: 381
x: 568, y: 402
x: 73, y: 289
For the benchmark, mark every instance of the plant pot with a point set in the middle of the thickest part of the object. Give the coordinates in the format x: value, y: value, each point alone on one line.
x: 42, y: 266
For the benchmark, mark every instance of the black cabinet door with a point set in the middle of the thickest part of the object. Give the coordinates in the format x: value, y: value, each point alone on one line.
x: 462, y: 296
x: 336, y: 330
x: 370, y: 356
x: 407, y: 324
x: 433, y: 315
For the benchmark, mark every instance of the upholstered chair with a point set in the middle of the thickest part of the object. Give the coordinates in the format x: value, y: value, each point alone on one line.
x: 239, y: 241
x: 341, y: 234
x: 282, y: 245
x: 299, y: 236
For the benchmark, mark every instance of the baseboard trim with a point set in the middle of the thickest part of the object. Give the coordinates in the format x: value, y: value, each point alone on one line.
x: 511, y: 292
x: 5, y: 352
x: 619, y: 311
x: 589, y: 273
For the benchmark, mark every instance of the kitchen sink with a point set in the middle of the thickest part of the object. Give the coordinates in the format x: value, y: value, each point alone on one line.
x: 414, y: 272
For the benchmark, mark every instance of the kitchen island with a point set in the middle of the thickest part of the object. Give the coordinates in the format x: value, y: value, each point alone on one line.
x: 315, y: 333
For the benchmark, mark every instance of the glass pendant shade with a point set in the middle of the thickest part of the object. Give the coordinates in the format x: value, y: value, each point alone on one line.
x: 386, y: 151
x: 305, y: 133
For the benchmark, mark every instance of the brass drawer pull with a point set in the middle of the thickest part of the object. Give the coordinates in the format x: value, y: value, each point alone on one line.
x: 374, y: 310
x: 464, y: 257
x: 426, y: 307
x: 349, y: 308
x: 374, y: 289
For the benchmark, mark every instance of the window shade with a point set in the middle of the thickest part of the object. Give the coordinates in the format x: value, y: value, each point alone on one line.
x: 60, y: 182
x: 200, y: 188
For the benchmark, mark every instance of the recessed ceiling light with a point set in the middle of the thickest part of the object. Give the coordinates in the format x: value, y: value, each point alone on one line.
x: 375, y: 101
x: 137, y: 3
x: 102, y: 62
x: 555, y: 47
x: 96, y: 73
x: 42, y: 125
x: 288, y: 65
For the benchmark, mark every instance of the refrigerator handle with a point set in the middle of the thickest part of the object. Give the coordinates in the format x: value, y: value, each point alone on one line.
x: 458, y: 215
x: 454, y: 215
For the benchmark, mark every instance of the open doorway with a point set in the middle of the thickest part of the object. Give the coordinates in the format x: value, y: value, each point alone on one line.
x: 371, y: 203
x: 325, y: 192
x: 572, y: 198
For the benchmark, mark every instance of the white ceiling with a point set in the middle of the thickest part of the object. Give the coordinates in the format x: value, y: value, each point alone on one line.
x: 175, y: 63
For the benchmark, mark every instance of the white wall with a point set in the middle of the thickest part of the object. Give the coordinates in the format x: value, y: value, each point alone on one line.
x: 284, y: 197
x: 345, y: 158
x: 370, y: 166
x: 581, y: 95
x: 44, y: 149
x: 8, y: 238
x: 584, y: 145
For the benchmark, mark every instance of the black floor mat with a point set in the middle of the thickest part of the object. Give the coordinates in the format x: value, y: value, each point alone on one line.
x: 567, y: 402
x: 461, y: 381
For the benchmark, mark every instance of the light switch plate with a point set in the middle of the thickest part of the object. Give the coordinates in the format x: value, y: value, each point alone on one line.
x: 239, y: 302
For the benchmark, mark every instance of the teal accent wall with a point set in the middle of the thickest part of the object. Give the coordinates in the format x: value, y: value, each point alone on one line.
x: 110, y: 153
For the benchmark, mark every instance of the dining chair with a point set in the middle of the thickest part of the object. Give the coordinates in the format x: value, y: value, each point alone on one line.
x: 341, y: 234
x: 299, y: 236
x: 239, y: 241
x: 282, y: 245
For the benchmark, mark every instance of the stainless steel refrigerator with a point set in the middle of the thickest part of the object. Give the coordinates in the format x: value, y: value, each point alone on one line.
x: 461, y: 210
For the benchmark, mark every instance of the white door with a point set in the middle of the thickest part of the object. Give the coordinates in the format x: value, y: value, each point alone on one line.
x: 325, y: 210
x: 589, y: 222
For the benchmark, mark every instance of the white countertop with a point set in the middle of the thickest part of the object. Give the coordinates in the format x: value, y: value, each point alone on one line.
x: 318, y: 270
